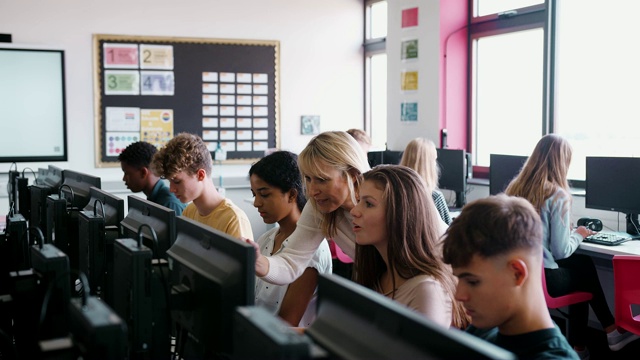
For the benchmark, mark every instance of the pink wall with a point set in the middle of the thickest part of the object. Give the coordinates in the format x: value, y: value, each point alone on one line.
x: 453, y: 74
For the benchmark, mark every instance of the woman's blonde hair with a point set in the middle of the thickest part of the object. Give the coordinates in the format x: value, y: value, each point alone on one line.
x: 544, y: 172
x: 420, y: 155
x: 340, y: 151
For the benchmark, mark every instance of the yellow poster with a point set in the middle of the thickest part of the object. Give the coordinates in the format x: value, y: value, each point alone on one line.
x: 409, y: 80
x: 156, y: 126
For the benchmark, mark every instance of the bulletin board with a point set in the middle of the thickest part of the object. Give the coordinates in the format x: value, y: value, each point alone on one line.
x: 152, y: 88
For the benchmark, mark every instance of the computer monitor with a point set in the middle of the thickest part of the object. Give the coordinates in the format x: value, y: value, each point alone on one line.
x: 80, y: 185
x: 611, y: 183
x: 502, y: 169
x: 453, y: 173
x: 53, y: 177
x: 161, y: 219
x: 213, y: 273
x: 354, y: 322
x: 111, y: 206
x: 384, y: 157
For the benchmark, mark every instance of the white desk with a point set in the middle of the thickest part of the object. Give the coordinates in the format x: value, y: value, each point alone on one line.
x: 607, y: 252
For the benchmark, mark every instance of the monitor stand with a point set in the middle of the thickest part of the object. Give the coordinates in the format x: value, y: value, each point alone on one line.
x: 633, y: 228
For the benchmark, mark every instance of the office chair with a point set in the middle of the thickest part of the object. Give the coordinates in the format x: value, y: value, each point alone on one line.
x: 626, y: 291
x: 336, y: 253
x: 563, y: 300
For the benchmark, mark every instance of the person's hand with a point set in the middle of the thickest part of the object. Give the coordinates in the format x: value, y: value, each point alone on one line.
x: 262, y: 263
x: 584, y: 232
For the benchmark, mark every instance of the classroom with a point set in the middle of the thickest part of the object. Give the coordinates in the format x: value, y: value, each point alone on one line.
x: 481, y: 80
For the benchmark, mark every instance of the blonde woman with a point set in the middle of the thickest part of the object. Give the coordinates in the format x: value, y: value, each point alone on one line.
x: 421, y: 155
x: 332, y: 166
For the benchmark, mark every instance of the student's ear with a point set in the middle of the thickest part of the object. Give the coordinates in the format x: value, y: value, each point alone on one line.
x: 519, y: 270
x: 201, y: 174
x: 293, y: 195
x: 144, y: 172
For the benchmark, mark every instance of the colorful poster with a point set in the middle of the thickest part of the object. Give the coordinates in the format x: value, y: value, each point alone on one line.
x: 409, y: 81
x: 122, y: 118
x: 156, y: 57
x: 116, y: 142
x: 120, y: 56
x: 121, y: 82
x: 157, y: 82
x: 409, y: 111
x: 156, y: 126
x: 409, y: 49
x: 409, y: 17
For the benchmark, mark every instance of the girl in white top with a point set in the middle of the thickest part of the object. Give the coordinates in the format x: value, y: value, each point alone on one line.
x: 397, y: 245
x: 277, y: 189
x: 332, y: 165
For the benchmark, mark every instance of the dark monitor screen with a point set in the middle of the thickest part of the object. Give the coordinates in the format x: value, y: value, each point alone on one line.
x: 112, y: 205
x: 612, y: 183
x: 453, y: 169
x: 502, y: 169
x: 80, y: 185
x: 53, y: 178
x: 161, y: 219
x: 354, y: 322
x: 384, y: 157
x: 216, y: 272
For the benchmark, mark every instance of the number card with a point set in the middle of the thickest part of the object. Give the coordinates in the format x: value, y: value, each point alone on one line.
x: 121, y: 82
x: 156, y: 57
x: 120, y: 56
x: 156, y: 82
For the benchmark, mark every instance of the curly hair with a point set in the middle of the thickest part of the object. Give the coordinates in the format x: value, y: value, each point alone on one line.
x: 185, y: 152
x: 280, y: 169
x: 139, y: 154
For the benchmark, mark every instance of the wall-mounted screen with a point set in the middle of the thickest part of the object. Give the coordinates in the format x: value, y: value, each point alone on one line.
x: 32, y: 96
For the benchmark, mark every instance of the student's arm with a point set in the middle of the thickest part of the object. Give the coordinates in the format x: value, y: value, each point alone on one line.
x: 299, y: 293
x: 284, y: 267
x: 562, y: 241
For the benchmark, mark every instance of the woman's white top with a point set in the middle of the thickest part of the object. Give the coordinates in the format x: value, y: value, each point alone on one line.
x: 270, y: 296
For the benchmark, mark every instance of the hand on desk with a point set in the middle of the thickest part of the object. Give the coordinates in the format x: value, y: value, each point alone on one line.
x: 584, y: 232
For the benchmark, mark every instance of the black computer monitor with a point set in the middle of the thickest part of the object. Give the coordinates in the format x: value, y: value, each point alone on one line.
x: 161, y: 219
x: 502, y: 169
x: 53, y: 177
x: 214, y: 273
x: 453, y: 169
x: 111, y: 206
x: 611, y: 183
x: 354, y: 322
x: 80, y: 184
x: 384, y: 157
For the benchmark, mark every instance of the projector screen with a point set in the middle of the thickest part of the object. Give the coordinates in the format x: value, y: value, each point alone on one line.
x: 32, y: 104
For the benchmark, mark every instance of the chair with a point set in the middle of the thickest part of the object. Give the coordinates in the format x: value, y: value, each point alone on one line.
x: 626, y: 291
x: 336, y: 253
x: 564, y: 300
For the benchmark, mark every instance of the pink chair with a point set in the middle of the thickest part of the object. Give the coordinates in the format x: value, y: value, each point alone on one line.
x: 626, y: 291
x: 564, y: 300
x: 336, y: 253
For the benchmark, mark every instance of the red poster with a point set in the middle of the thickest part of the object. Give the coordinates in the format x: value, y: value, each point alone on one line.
x: 410, y: 17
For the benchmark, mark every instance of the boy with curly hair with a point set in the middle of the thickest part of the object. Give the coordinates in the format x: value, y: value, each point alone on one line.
x: 135, y: 160
x: 186, y: 162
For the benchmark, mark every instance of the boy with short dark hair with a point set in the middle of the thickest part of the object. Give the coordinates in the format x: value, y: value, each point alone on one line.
x: 495, y: 250
x: 135, y: 160
x: 186, y: 162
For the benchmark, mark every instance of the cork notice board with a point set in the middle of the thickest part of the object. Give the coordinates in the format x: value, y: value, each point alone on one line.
x: 151, y: 88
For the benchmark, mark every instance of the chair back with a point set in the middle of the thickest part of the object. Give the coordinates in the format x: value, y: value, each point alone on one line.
x: 626, y: 291
x: 564, y: 300
x: 337, y: 253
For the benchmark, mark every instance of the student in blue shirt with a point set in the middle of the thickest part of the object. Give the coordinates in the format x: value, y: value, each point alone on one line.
x: 134, y: 161
x: 543, y: 182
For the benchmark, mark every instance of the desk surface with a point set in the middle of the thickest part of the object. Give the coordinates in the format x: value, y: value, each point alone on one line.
x: 605, y: 251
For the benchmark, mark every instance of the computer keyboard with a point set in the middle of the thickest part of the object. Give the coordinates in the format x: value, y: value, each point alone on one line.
x: 608, y: 238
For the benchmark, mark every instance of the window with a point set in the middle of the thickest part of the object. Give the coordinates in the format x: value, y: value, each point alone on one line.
x: 508, y: 75
x: 597, y: 79
x: 376, y: 72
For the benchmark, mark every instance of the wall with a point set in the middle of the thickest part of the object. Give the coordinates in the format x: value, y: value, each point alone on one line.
x: 321, y: 62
